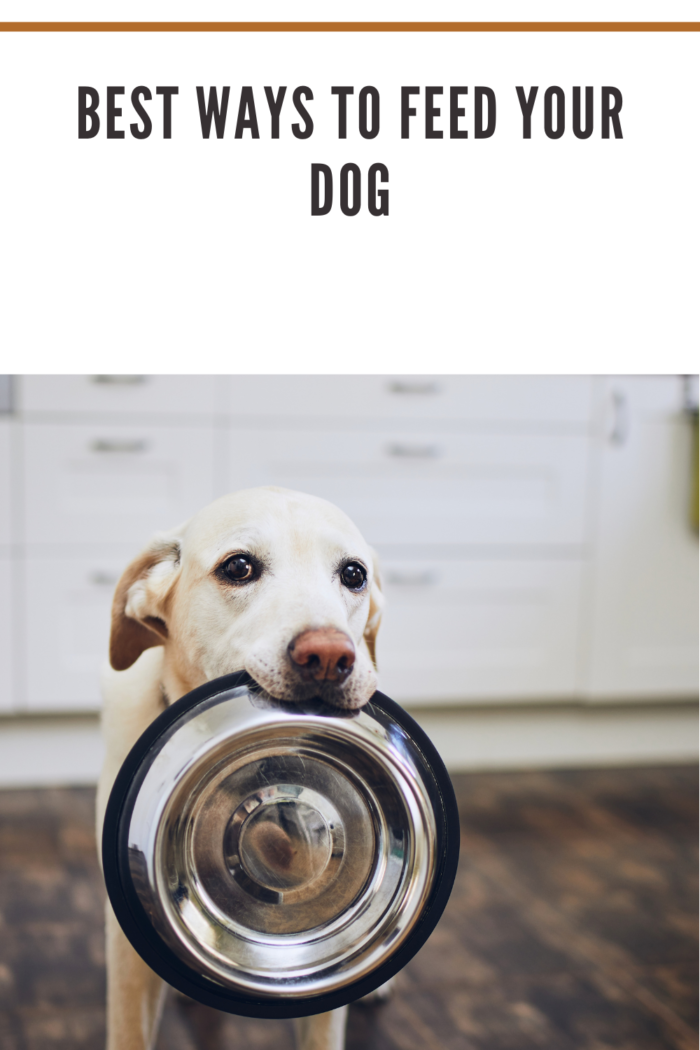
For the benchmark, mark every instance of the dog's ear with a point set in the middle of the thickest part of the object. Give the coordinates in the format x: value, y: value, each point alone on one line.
x: 139, y: 602
x: 376, y: 605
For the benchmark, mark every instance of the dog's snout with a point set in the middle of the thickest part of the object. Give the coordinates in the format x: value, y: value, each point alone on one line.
x: 327, y: 655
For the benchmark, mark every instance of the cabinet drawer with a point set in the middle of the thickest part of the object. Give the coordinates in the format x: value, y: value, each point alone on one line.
x: 119, y: 393
x: 400, y: 487
x: 479, y: 630
x: 8, y: 700
x: 5, y: 482
x: 534, y: 401
x: 112, y: 484
x: 68, y: 604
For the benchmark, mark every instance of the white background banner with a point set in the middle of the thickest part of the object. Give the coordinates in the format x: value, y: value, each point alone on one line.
x: 553, y: 254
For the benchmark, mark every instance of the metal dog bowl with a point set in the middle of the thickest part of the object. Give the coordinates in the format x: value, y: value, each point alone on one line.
x: 278, y: 860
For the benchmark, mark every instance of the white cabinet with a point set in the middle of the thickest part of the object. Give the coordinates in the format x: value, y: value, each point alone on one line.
x: 88, y: 483
x: 431, y: 488
x: 6, y: 492
x: 8, y: 695
x: 118, y: 394
x: 479, y: 630
x: 493, y: 401
x: 67, y: 628
x: 643, y: 614
x: 8, y: 597
x: 533, y: 530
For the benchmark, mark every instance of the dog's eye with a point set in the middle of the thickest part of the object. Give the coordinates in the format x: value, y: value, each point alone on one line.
x: 239, y: 568
x: 353, y: 576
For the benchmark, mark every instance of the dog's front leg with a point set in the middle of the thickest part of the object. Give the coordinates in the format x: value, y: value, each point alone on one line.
x: 322, y: 1031
x: 134, y: 993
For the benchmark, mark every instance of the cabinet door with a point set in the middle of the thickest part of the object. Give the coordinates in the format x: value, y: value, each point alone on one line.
x: 68, y: 605
x: 479, y: 630
x: 8, y: 699
x: 407, y: 488
x: 5, y: 483
x: 113, y: 484
x: 183, y: 395
x: 536, y: 401
x: 643, y: 622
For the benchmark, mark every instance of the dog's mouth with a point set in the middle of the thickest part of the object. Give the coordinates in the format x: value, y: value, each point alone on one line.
x: 286, y: 679
x: 326, y: 694
x: 314, y: 705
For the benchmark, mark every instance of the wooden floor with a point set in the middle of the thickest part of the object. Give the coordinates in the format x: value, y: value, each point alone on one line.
x: 573, y: 924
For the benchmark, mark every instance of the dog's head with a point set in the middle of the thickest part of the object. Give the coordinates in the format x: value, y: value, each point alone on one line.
x: 267, y: 580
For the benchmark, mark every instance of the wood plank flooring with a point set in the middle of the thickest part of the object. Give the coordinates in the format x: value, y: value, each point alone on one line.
x: 573, y: 926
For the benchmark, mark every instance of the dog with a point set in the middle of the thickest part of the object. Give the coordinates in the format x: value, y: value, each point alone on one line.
x: 270, y: 581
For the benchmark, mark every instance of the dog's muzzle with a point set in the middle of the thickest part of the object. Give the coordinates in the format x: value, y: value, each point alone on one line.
x: 278, y: 860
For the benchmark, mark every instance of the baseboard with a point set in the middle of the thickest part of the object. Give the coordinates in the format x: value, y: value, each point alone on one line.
x: 50, y: 751
x: 565, y: 735
x: 62, y: 750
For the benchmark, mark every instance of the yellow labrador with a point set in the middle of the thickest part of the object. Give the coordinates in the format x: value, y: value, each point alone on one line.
x: 271, y: 581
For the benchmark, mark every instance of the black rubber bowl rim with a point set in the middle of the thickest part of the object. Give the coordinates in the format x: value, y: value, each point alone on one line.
x: 153, y: 950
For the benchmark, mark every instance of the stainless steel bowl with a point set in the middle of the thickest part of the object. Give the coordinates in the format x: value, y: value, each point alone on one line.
x: 277, y: 859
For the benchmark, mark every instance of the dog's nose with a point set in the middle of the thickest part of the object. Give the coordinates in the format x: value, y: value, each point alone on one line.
x: 327, y: 655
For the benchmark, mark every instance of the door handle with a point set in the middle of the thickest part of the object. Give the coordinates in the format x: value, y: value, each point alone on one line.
x: 412, y: 387
x: 399, y: 450
x: 99, y: 578
x: 426, y: 578
x: 119, y: 380
x: 619, y: 428
x: 130, y: 447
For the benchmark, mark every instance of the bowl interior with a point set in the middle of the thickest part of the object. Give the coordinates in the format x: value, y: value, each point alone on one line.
x: 278, y: 850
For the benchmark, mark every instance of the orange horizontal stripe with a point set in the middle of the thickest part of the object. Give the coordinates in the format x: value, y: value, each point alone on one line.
x: 349, y: 27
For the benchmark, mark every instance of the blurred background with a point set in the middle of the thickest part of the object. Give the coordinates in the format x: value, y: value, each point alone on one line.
x: 539, y: 550
x: 537, y: 536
